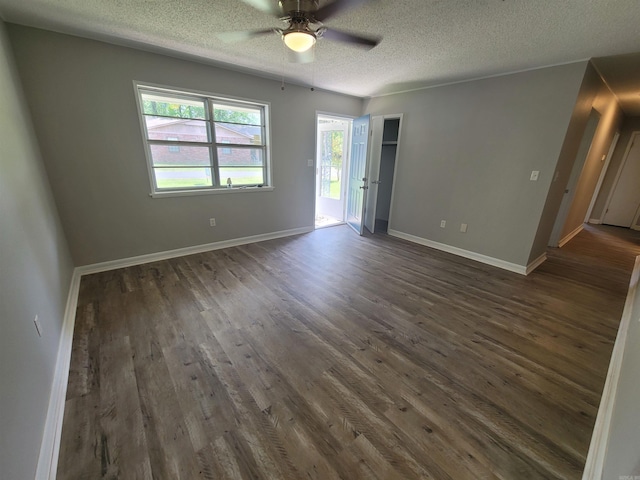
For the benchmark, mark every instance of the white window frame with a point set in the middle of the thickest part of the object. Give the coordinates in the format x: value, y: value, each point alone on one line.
x: 219, y: 185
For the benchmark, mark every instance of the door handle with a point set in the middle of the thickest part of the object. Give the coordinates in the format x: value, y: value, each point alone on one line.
x: 377, y: 182
x: 364, y: 187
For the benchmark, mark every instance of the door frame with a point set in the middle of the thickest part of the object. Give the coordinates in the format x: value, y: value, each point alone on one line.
x: 376, y: 175
x: 395, y: 166
x: 634, y: 223
x: 603, y: 173
x: 345, y: 164
x: 577, y: 168
x: 614, y: 185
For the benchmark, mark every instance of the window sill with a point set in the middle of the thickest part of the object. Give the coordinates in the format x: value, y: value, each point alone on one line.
x: 212, y: 191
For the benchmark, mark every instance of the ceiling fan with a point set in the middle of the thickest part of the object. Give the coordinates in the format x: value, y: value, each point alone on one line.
x: 304, y: 20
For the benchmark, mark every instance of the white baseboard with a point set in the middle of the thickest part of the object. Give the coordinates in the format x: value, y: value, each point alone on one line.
x: 478, y: 257
x: 50, y: 447
x: 594, y: 467
x: 595, y: 221
x: 536, y: 263
x: 180, y: 252
x: 570, y: 236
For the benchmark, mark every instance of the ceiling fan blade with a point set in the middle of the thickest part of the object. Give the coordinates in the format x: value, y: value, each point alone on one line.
x: 266, y: 6
x: 233, y: 37
x: 301, y: 57
x: 335, y: 7
x: 340, y: 36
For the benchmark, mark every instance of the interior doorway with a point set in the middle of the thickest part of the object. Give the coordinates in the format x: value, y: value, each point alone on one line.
x: 623, y: 205
x: 333, y: 139
x: 384, y: 152
x: 562, y: 231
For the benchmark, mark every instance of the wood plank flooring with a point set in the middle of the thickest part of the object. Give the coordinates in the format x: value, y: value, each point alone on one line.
x: 328, y: 355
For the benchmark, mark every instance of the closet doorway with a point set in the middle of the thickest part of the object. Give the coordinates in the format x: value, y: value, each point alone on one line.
x: 382, y: 166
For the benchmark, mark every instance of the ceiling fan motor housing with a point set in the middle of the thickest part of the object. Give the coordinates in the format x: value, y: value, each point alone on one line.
x: 299, y: 9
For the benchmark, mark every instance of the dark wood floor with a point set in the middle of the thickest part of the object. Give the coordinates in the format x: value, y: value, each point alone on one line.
x: 328, y: 356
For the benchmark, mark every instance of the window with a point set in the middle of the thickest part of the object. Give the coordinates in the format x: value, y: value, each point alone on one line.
x: 226, y: 151
x: 203, y: 143
x: 173, y: 148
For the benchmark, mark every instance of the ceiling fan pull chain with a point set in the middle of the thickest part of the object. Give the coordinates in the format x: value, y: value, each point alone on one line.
x: 284, y: 54
x: 313, y: 69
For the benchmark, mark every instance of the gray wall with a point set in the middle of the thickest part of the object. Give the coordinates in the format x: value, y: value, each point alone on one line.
x: 630, y: 125
x: 593, y: 91
x: 82, y: 98
x: 591, y: 95
x: 35, y: 274
x: 466, y: 154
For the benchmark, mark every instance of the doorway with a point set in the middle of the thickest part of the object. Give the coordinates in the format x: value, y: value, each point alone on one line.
x: 386, y: 132
x: 563, y: 229
x: 623, y: 204
x: 333, y: 137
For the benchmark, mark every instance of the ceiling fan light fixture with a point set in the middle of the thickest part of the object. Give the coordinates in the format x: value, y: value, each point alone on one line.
x: 299, y: 41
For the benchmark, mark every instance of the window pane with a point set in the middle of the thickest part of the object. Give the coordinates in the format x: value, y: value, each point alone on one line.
x: 242, y: 176
x: 183, y: 177
x: 332, y: 146
x: 242, y: 134
x: 168, y: 106
x: 179, y: 156
x: 240, y: 157
x: 236, y: 114
x: 163, y: 128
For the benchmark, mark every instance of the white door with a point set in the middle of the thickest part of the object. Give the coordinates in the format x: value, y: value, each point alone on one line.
x: 377, y: 127
x: 357, y: 182
x: 332, y: 150
x: 626, y: 194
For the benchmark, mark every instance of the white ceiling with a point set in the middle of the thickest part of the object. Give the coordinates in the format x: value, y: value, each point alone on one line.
x: 425, y: 42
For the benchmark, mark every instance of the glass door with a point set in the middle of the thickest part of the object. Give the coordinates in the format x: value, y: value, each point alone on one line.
x: 332, y: 155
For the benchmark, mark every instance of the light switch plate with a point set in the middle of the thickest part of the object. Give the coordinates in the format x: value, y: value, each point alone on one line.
x: 534, y: 175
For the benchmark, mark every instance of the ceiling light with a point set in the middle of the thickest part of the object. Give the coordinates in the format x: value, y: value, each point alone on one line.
x: 299, y: 41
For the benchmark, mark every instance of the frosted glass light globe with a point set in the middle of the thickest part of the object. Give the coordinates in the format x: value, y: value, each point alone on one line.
x: 299, y: 41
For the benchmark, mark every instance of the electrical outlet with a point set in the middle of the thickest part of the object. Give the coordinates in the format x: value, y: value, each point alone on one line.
x: 212, y: 222
x: 463, y: 227
x: 38, y: 326
x: 443, y: 223
x: 310, y: 162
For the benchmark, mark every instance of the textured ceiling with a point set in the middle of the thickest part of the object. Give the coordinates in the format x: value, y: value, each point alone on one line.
x: 425, y: 42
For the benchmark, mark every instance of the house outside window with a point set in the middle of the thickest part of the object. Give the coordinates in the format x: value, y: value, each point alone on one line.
x: 200, y: 143
x: 225, y: 151
x: 173, y: 148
